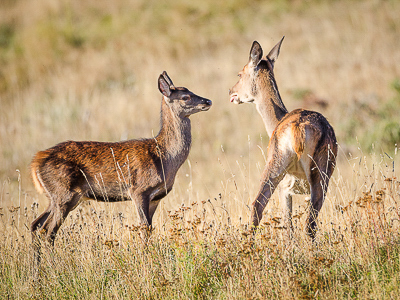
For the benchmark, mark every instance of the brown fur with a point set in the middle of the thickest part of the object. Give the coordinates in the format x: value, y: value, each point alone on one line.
x: 141, y: 170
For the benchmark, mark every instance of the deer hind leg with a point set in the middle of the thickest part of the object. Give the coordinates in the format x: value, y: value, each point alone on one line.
x: 318, y: 185
x: 50, y: 221
x: 37, y: 224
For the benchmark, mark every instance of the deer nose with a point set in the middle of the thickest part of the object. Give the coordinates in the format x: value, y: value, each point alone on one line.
x: 207, y: 102
x: 230, y: 92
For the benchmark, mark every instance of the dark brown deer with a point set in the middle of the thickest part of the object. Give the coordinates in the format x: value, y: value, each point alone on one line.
x: 302, y: 146
x: 140, y: 170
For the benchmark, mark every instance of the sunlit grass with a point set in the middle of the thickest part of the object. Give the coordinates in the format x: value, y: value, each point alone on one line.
x: 203, y: 248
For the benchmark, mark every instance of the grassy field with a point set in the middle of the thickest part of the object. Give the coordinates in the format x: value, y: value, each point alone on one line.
x: 87, y: 70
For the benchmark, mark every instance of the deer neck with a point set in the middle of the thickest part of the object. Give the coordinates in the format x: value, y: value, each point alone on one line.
x: 174, y: 138
x: 269, y: 103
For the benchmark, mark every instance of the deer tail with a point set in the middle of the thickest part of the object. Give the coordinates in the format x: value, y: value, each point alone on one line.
x: 36, y: 163
x: 298, y: 138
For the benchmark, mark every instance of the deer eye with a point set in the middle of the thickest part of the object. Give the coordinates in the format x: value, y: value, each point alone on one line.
x: 185, y: 98
x: 240, y: 75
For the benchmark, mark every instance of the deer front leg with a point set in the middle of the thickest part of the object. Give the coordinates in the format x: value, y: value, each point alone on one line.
x: 152, y: 208
x: 278, y: 161
x: 142, y: 202
x: 285, y: 199
x: 268, y: 186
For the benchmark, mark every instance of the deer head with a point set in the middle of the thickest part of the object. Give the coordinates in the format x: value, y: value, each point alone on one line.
x: 250, y: 82
x: 182, y: 101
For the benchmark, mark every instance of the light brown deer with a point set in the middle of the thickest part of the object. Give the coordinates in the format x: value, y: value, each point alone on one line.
x: 140, y: 170
x: 302, y: 145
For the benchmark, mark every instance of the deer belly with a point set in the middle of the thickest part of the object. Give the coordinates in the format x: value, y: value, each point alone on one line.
x: 159, y: 192
x: 297, y: 170
x: 113, y: 193
x: 301, y: 185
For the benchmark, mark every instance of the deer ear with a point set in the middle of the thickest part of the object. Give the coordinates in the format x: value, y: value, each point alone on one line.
x: 256, y: 53
x: 163, y: 86
x: 167, y: 79
x: 274, y: 53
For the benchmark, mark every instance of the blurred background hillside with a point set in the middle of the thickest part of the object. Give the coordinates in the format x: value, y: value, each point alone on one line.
x: 87, y: 70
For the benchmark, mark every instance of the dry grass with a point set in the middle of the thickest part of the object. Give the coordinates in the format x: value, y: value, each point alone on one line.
x: 87, y: 70
x: 202, y: 249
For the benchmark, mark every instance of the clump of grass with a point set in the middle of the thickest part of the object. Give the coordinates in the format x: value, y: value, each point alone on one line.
x: 99, y: 253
